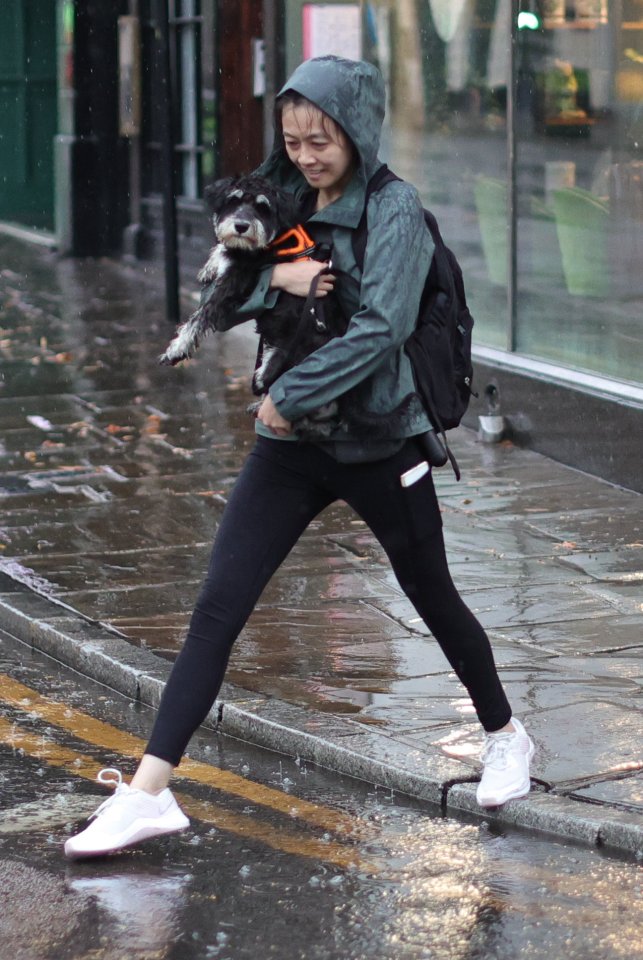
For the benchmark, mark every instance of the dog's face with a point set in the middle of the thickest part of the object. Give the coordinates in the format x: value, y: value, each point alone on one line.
x: 249, y: 212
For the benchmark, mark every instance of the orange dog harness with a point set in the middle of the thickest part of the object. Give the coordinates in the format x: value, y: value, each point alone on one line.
x: 295, y: 244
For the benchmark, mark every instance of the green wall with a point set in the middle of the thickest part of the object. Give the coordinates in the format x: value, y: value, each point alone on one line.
x: 28, y: 114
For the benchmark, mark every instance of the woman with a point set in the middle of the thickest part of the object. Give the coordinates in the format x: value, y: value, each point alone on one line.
x: 329, y: 117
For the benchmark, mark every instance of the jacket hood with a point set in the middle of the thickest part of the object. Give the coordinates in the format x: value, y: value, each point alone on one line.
x: 352, y: 93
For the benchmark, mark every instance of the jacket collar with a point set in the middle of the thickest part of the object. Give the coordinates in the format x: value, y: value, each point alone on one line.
x: 347, y: 210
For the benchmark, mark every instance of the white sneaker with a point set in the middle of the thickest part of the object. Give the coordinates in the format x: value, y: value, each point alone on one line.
x: 506, y: 758
x: 125, y: 818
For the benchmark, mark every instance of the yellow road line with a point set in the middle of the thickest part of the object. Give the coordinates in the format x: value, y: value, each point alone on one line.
x: 285, y: 840
x: 104, y: 735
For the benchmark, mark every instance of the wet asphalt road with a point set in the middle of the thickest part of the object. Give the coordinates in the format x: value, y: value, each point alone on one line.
x: 281, y: 860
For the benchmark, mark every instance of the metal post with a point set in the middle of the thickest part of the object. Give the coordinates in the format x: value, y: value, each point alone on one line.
x: 168, y: 169
x: 274, y: 36
x: 269, y: 12
x: 512, y: 194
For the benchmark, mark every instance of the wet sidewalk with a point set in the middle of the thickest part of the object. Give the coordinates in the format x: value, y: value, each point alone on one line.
x: 114, y: 474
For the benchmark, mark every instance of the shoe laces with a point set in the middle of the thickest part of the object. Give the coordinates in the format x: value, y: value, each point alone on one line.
x: 109, y: 776
x: 496, y: 749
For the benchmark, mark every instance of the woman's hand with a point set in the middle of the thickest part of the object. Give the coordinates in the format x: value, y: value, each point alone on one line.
x: 271, y: 418
x: 297, y: 277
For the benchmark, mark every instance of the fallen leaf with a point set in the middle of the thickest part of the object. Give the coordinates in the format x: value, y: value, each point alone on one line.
x: 114, y: 428
x: 152, y: 425
x: 81, y: 427
x: 61, y: 358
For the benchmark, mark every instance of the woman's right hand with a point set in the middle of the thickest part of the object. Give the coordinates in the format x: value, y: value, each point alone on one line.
x: 297, y: 277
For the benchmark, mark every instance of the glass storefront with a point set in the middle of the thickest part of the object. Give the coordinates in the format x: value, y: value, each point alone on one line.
x: 579, y: 131
x: 522, y: 126
x: 447, y: 68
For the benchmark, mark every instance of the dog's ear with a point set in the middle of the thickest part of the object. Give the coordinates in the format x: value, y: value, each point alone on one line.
x: 287, y: 210
x: 217, y: 193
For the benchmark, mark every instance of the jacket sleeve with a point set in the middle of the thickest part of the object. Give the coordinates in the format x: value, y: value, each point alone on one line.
x: 262, y: 298
x: 397, y: 259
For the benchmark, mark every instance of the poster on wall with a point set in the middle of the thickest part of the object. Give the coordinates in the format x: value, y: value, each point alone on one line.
x: 332, y: 28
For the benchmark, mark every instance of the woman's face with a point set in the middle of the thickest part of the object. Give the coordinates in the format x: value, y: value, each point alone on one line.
x: 319, y: 148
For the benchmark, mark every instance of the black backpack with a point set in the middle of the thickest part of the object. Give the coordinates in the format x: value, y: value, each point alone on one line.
x: 440, y: 346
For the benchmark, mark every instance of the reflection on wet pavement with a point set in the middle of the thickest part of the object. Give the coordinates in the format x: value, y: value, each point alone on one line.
x: 247, y: 881
x: 115, y: 471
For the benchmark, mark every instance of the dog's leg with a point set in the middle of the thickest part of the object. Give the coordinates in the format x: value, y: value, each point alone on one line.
x: 215, y: 266
x: 264, y: 375
x: 187, y: 338
x: 190, y: 333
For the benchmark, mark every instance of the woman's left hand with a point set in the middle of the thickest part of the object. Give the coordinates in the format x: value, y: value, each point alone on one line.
x: 271, y: 418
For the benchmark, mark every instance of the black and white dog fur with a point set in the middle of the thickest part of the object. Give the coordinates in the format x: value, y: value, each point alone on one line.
x: 248, y: 213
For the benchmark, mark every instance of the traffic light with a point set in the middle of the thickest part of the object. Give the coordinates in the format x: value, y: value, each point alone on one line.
x: 527, y: 20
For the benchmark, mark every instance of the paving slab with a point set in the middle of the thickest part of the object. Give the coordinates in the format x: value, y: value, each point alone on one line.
x: 626, y: 792
x: 515, y: 499
x: 625, y: 666
x: 500, y: 572
x: 135, y: 603
x: 598, y: 635
x: 624, y: 564
x: 470, y: 537
x: 591, y: 529
x: 587, y: 740
x: 626, y: 597
x: 509, y: 607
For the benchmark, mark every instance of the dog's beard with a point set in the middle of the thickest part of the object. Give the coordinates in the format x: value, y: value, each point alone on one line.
x: 256, y: 237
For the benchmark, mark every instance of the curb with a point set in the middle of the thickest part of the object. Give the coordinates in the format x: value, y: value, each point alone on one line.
x: 343, y: 746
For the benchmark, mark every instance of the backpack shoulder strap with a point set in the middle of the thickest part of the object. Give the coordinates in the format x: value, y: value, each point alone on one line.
x: 360, y: 233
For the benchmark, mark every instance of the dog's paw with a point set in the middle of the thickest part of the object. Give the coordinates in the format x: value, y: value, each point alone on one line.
x: 171, y: 357
x: 205, y: 276
x: 166, y: 361
x: 215, y: 265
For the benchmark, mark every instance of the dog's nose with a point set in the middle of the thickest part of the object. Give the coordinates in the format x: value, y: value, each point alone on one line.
x: 241, y: 226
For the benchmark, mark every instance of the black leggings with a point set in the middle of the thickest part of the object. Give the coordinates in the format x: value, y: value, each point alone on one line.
x: 282, y: 487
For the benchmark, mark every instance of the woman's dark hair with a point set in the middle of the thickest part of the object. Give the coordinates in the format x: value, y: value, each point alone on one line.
x: 291, y: 98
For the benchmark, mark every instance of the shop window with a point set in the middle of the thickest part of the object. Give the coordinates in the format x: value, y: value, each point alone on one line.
x: 579, y: 127
x: 446, y: 67
x: 576, y: 203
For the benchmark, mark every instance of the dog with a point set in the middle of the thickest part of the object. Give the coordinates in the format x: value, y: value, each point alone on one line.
x: 255, y: 224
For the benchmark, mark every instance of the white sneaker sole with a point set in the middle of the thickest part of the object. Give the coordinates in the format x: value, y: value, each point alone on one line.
x: 516, y: 794
x: 79, y: 847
